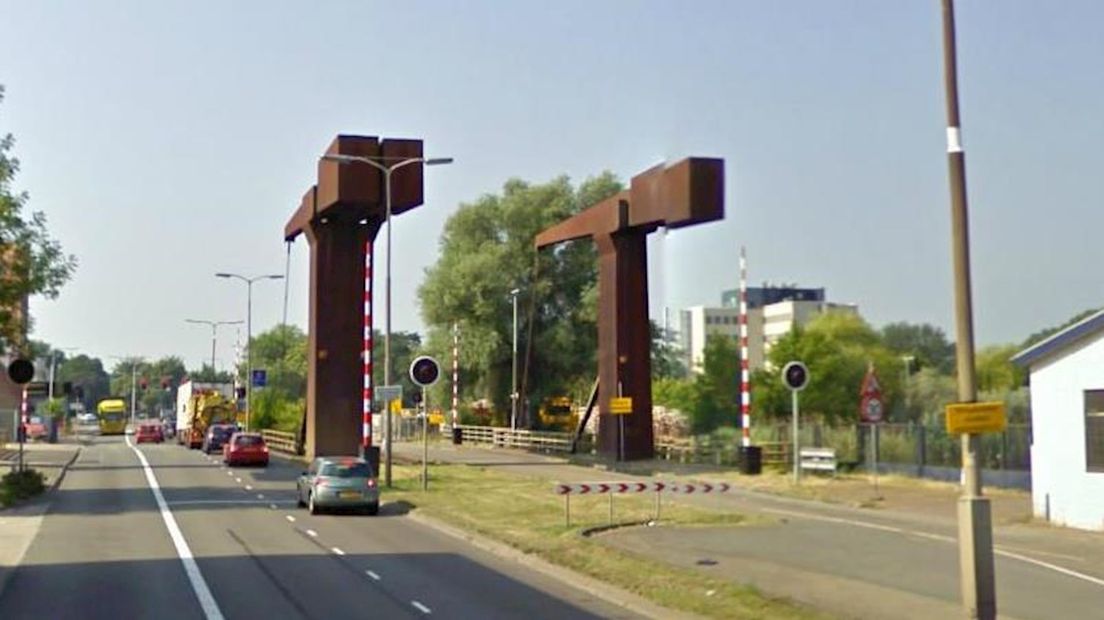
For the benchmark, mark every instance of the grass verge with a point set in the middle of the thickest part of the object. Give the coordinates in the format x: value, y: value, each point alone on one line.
x: 525, y: 513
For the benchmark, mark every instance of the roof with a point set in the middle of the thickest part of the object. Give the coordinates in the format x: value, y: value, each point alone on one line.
x: 1062, y: 340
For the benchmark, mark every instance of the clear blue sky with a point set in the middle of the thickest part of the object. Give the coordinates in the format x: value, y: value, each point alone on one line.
x: 170, y: 140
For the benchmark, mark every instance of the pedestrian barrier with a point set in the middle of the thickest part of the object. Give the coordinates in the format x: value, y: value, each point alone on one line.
x: 820, y: 459
x: 546, y: 441
x: 280, y: 441
x: 567, y: 489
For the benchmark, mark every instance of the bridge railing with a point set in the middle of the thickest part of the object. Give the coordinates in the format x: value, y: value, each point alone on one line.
x: 280, y: 441
x: 545, y: 441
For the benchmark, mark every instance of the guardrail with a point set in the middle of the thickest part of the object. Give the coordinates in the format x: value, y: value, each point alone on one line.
x: 716, y: 453
x: 546, y: 441
x: 280, y: 441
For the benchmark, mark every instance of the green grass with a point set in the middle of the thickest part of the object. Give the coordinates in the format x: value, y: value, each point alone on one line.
x: 526, y: 514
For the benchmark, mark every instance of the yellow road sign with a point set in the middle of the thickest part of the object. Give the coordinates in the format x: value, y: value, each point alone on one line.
x: 396, y: 405
x: 621, y: 406
x: 976, y: 417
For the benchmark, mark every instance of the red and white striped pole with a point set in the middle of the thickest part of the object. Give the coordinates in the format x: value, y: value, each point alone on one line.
x: 455, y: 372
x: 366, y: 430
x: 745, y: 378
x: 22, y: 427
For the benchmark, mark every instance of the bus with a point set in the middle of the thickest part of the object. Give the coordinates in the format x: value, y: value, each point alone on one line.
x: 111, y: 414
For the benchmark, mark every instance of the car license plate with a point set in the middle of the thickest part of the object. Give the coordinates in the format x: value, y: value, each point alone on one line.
x: 348, y: 494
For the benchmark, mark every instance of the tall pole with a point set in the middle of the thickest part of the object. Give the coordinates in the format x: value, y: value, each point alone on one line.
x: 133, y: 391
x: 50, y: 388
x: 366, y: 401
x: 975, y: 536
x: 513, y: 381
x: 745, y: 375
x: 796, y: 450
x: 455, y: 372
x: 214, y: 343
x: 248, y: 352
x: 387, y: 324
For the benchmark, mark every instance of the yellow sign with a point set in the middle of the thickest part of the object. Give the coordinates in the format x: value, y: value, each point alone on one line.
x: 396, y: 405
x: 976, y: 418
x: 437, y: 418
x: 620, y: 406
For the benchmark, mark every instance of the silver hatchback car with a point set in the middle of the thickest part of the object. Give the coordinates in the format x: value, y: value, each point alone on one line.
x: 338, y: 482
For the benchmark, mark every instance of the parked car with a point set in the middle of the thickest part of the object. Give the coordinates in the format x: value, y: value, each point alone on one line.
x: 36, y: 428
x: 86, y: 418
x: 338, y: 482
x: 149, y: 432
x: 168, y: 426
x: 217, y: 436
x: 245, y: 449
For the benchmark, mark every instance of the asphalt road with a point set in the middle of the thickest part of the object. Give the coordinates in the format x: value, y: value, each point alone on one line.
x: 105, y: 549
x: 847, y: 561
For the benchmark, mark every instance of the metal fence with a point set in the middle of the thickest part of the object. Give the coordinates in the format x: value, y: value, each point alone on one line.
x: 543, y: 441
x: 281, y: 441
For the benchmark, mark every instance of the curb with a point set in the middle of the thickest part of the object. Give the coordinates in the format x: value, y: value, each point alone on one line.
x: 591, y: 585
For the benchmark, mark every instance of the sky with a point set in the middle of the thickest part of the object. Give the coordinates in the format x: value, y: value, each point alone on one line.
x: 167, y: 141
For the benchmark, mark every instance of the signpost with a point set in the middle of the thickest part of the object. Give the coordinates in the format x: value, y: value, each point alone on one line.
x: 260, y: 377
x: 796, y: 376
x: 963, y: 418
x: 872, y: 412
x: 21, y: 371
x: 424, y: 371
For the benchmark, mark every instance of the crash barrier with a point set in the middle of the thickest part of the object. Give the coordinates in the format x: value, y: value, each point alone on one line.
x: 818, y: 459
x: 567, y: 489
x: 281, y: 441
x: 544, y: 441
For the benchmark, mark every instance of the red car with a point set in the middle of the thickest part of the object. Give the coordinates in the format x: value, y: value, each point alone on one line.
x: 149, y: 432
x: 36, y: 428
x: 245, y: 449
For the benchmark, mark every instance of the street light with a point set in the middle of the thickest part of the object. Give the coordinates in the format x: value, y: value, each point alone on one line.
x: 386, y: 169
x: 248, y: 334
x: 214, y: 334
x: 513, y: 380
x: 53, y: 367
x: 908, y: 360
x: 133, y: 385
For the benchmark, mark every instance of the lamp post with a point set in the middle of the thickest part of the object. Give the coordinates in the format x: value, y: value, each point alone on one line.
x: 513, y: 380
x: 908, y: 360
x: 53, y: 369
x: 133, y: 385
x: 248, y: 334
x: 214, y: 334
x: 386, y: 169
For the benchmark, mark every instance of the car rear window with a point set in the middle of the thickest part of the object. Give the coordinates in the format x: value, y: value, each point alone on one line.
x: 347, y: 470
x: 250, y: 440
x: 221, y: 432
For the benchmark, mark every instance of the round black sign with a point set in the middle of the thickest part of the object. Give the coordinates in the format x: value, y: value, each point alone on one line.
x: 21, y: 371
x: 424, y: 371
x: 795, y: 375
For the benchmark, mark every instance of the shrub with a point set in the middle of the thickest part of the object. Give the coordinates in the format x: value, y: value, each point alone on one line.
x: 17, y: 485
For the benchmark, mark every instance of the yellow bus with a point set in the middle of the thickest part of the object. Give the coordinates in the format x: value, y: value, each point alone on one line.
x: 111, y: 413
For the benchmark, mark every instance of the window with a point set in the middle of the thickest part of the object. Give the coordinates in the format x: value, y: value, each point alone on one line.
x: 1094, y: 430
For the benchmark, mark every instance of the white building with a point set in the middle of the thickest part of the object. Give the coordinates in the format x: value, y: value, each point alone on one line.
x: 1067, y: 422
x: 766, y: 325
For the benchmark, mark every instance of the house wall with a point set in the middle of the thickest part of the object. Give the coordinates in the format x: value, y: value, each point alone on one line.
x: 1062, y: 490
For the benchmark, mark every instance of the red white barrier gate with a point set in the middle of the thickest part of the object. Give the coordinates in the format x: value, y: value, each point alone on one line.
x: 567, y: 489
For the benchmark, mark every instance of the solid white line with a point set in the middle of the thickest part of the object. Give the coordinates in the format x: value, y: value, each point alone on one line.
x: 199, y: 586
x: 420, y: 607
x: 290, y: 518
x: 949, y: 539
x: 372, y: 575
x: 187, y: 502
x: 337, y: 551
x: 312, y: 533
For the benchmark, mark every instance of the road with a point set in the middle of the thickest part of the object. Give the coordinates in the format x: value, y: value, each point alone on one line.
x: 108, y: 548
x: 847, y: 561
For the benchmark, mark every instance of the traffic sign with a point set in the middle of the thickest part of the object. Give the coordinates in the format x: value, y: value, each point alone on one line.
x: 976, y: 418
x: 424, y: 371
x: 21, y: 371
x: 260, y: 377
x: 871, y: 405
x: 621, y: 405
x: 795, y: 375
x: 388, y: 393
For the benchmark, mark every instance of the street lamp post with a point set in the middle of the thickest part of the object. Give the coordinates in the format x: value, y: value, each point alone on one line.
x: 513, y: 380
x: 214, y: 334
x: 386, y: 170
x: 908, y: 360
x: 249, y: 334
x: 133, y: 385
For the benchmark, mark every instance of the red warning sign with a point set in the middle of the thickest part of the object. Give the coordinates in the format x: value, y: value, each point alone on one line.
x: 871, y: 405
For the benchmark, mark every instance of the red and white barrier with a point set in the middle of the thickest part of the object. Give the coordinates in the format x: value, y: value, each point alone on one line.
x: 599, y: 488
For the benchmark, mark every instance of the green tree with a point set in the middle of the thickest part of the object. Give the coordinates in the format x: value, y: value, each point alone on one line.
x: 405, y: 346
x: 715, y: 397
x: 926, y: 343
x: 486, y: 250
x: 31, y: 262
x: 207, y: 374
x: 161, y: 378
x: 88, y: 374
x: 995, y: 371
x: 667, y: 359
x: 1043, y: 334
x: 282, y: 353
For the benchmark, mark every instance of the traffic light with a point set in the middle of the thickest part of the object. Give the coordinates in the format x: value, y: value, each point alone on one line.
x: 424, y: 371
x: 67, y: 388
x: 795, y: 375
x: 143, y: 383
x: 21, y: 371
x: 164, y: 383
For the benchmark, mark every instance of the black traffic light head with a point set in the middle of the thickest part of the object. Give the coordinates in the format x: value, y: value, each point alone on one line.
x: 424, y: 371
x: 416, y: 397
x: 795, y: 375
x: 143, y: 383
x: 21, y: 371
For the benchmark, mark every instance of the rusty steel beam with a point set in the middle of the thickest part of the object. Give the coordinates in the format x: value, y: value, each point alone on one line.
x: 339, y: 215
x: 688, y: 192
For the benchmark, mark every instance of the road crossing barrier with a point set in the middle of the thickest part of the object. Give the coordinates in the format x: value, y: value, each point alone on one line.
x: 658, y: 487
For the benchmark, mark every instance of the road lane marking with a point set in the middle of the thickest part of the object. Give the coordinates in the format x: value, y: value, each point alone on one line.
x: 272, y: 506
x: 420, y: 607
x: 200, y: 502
x: 290, y: 518
x: 997, y: 550
x: 206, y: 601
x: 238, y: 480
x: 248, y: 487
x: 337, y: 551
x: 312, y: 533
x: 260, y: 496
x: 230, y: 473
x: 372, y: 575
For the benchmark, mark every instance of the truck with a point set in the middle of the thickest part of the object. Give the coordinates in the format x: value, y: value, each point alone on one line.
x: 558, y: 413
x: 198, y: 406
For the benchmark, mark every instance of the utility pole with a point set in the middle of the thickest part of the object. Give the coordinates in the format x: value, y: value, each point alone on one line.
x: 975, y: 533
x: 513, y: 381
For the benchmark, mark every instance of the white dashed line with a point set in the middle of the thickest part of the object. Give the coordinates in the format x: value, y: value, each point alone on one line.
x: 372, y: 575
x: 337, y: 551
x: 312, y: 533
x: 238, y: 480
x: 230, y: 473
x: 420, y: 607
x: 260, y: 496
x: 272, y: 506
x: 290, y: 518
x: 248, y: 487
